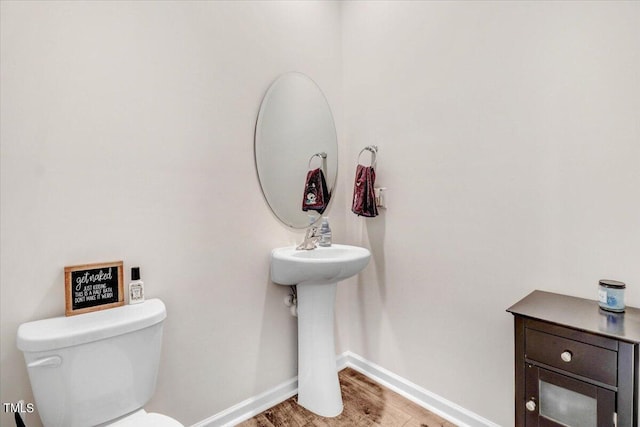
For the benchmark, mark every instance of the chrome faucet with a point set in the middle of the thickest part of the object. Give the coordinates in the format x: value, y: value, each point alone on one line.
x: 311, y: 238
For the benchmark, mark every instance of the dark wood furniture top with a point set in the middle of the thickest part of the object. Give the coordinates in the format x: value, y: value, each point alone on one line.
x: 581, y: 314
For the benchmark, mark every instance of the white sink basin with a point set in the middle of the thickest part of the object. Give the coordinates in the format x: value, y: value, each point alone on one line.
x: 331, y: 264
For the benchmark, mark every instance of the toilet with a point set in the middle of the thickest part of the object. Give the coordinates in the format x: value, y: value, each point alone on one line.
x: 98, y: 368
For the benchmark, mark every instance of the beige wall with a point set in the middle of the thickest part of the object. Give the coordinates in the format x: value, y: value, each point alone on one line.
x: 510, y: 142
x: 508, y: 137
x: 127, y: 133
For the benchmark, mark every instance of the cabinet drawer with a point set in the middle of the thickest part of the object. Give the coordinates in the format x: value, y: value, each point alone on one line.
x: 582, y: 359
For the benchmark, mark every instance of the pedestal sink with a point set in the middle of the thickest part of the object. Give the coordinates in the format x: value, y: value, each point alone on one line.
x: 316, y: 274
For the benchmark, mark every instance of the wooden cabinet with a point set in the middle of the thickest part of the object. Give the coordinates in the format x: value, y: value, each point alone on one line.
x: 575, y: 364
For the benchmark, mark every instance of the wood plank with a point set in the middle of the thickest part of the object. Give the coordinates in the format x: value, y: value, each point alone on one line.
x: 438, y: 422
x: 366, y: 404
x: 371, y: 402
x: 366, y: 383
x: 257, y: 421
x: 413, y: 410
x: 287, y: 413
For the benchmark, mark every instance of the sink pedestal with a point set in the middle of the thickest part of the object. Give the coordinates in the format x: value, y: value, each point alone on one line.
x: 318, y: 386
x: 316, y: 274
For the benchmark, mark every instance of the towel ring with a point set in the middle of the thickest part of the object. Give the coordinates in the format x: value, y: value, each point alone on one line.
x: 322, y: 155
x: 373, y: 149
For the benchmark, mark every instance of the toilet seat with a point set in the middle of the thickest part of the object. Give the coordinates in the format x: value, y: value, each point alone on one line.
x: 142, y: 418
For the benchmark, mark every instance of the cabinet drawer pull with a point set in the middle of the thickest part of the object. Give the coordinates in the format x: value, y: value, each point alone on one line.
x: 566, y: 356
x: 531, y: 405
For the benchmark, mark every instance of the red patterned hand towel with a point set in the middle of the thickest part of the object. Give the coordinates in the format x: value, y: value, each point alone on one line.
x: 316, y: 195
x: 364, y: 200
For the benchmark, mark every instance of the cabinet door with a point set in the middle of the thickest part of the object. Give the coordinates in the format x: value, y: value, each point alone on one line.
x: 554, y: 400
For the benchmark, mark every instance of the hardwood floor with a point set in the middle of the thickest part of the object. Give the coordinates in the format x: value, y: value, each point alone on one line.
x: 366, y: 403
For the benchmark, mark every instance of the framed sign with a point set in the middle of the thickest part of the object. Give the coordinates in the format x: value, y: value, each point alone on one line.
x: 92, y: 287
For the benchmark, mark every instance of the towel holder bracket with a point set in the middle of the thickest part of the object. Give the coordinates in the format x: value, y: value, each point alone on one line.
x: 373, y: 149
x: 322, y: 155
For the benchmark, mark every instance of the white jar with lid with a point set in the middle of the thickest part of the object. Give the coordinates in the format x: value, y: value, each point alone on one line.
x: 611, y: 295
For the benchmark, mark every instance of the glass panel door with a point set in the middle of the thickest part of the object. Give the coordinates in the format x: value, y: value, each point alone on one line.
x: 566, y: 407
x: 555, y: 400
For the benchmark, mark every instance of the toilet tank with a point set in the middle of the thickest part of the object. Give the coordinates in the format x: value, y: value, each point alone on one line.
x: 92, y: 368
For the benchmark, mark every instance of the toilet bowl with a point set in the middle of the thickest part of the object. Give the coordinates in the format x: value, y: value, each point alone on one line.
x: 98, y: 368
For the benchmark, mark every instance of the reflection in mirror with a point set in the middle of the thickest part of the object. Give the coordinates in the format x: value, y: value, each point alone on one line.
x: 296, y: 149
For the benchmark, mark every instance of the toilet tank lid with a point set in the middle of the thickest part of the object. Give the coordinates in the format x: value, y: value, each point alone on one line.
x: 60, y: 332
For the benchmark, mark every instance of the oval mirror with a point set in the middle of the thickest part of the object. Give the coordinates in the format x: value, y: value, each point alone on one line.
x: 295, y: 134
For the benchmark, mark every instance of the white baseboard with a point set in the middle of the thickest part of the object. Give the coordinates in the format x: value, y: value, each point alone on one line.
x: 252, y: 406
x: 431, y: 401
